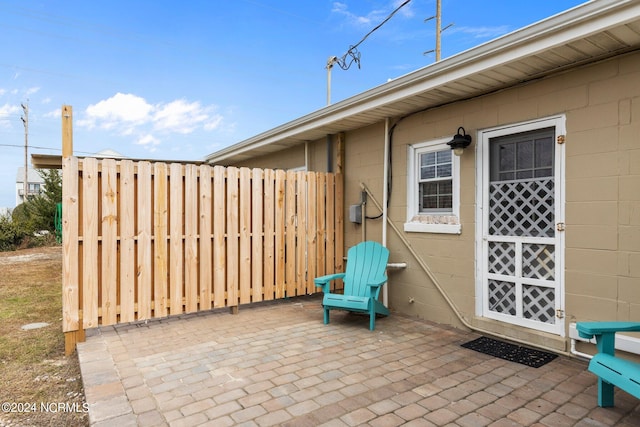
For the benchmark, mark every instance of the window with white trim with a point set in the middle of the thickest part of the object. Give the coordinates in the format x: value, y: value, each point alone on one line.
x: 433, y: 188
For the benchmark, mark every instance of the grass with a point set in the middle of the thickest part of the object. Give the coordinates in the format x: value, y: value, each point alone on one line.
x: 40, y: 384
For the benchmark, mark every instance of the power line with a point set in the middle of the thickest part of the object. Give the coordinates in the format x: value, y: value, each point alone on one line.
x: 44, y: 148
x: 353, y: 50
x: 32, y: 146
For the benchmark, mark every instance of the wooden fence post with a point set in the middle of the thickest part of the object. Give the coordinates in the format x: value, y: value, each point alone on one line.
x: 71, y: 317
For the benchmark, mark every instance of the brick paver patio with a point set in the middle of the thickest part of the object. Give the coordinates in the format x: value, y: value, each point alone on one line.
x: 277, y: 364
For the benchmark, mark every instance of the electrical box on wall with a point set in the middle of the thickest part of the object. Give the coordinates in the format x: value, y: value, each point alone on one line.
x: 355, y: 214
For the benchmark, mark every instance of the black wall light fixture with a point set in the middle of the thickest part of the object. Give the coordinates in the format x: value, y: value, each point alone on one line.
x: 459, y: 142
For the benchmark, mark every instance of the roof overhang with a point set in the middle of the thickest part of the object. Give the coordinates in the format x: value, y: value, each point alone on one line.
x: 585, y: 34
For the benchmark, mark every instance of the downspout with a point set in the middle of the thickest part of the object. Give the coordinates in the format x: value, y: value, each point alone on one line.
x: 306, y: 156
x: 329, y: 154
x: 575, y: 352
x: 385, y: 196
x: 442, y: 292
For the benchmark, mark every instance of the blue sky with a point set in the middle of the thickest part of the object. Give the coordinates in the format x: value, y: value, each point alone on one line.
x: 162, y: 79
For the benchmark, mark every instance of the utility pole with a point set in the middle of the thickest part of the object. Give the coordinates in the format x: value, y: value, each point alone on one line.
x: 25, y: 121
x: 439, y: 30
x: 330, y: 62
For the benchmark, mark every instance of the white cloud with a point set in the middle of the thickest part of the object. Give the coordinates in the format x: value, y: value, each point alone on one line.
x: 147, y: 140
x: 481, y: 32
x: 55, y: 114
x: 32, y: 90
x: 353, y: 18
x: 373, y: 17
x: 180, y: 117
x: 121, y: 110
x: 6, y: 113
x: 213, y: 123
x: 406, y: 10
x: 131, y: 115
x: 9, y: 109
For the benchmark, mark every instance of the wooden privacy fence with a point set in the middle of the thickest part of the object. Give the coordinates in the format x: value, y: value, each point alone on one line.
x: 145, y: 239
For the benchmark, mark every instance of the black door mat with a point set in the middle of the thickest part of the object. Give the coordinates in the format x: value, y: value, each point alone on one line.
x: 511, y: 352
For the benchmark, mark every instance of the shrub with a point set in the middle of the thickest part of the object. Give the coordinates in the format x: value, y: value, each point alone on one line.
x: 31, y: 223
x: 10, y: 235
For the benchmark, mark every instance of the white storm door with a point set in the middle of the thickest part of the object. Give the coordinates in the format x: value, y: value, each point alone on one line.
x: 521, y: 232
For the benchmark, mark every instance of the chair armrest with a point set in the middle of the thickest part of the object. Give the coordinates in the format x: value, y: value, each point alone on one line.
x: 374, y: 286
x: 605, y: 333
x: 377, y: 282
x: 323, y: 281
x: 589, y: 329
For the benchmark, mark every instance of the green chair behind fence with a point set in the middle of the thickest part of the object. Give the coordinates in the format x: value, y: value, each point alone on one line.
x: 58, y: 222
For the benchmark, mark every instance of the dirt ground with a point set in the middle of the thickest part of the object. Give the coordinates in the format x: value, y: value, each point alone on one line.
x: 40, y: 386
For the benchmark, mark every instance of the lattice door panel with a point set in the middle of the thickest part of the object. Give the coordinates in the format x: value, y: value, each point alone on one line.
x: 502, y: 258
x: 502, y: 297
x: 526, y: 270
x: 538, y: 303
x: 522, y: 208
x: 538, y: 261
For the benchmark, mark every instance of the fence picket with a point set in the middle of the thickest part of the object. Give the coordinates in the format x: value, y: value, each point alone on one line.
x: 70, y: 265
x: 279, y: 233
x: 205, y: 255
x: 144, y: 255
x: 290, y: 239
x: 191, y: 238
x: 330, y: 223
x: 301, y: 256
x: 232, y: 237
x: 127, y: 209
x: 312, y: 226
x: 160, y: 265
x: 269, y: 258
x: 321, y: 230
x: 176, y: 233
x: 109, y: 248
x: 90, y: 273
x: 257, y: 246
x: 244, y: 240
x: 219, y: 242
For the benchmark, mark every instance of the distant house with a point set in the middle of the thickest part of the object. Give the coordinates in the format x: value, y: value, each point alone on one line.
x: 536, y: 225
x: 108, y: 154
x: 35, y: 184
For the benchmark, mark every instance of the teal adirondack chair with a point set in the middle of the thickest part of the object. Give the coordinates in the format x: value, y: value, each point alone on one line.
x: 365, y: 275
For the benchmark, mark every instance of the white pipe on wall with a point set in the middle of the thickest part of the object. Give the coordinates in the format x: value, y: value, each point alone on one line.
x: 306, y: 156
x: 385, y: 196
